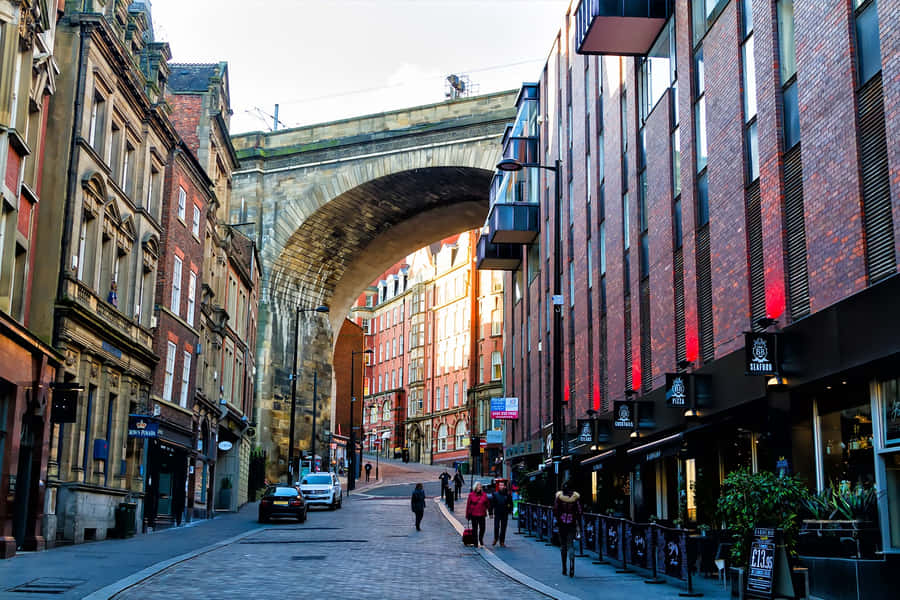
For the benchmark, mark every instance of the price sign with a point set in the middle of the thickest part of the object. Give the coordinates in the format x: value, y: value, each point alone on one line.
x: 761, y: 572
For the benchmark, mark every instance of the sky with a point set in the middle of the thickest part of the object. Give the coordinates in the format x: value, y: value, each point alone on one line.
x: 323, y: 60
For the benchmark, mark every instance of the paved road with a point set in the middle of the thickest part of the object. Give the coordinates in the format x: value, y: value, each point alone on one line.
x: 368, y: 549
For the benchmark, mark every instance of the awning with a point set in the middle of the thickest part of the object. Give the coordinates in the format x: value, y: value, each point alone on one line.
x: 386, y: 435
x: 655, y: 449
x: 599, y: 458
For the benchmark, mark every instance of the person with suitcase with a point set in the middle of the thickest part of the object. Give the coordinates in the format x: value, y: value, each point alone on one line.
x: 418, y: 504
x: 477, y: 507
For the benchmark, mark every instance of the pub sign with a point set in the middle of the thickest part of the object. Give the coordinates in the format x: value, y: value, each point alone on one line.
x: 585, y: 431
x: 678, y: 389
x: 142, y: 427
x: 761, y: 352
x: 623, y: 413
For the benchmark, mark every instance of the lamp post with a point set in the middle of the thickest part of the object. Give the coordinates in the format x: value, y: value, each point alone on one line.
x: 318, y: 309
x: 351, y: 477
x: 512, y: 165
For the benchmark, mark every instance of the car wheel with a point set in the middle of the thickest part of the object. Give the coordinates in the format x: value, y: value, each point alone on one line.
x: 341, y: 501
x: 262, y: 519
x: 302, y: 517
x: 333, y: 505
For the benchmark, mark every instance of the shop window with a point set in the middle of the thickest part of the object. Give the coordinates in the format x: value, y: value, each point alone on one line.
x: 845, y: 444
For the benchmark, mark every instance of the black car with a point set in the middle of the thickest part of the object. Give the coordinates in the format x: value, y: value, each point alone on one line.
x: 282, y: 501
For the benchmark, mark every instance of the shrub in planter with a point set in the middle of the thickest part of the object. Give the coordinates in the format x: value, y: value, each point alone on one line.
x: 748, y: 500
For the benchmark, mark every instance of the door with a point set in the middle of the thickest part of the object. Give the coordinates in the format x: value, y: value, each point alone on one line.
x: 165, y: 494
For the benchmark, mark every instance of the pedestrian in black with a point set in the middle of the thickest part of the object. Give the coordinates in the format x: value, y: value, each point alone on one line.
x: 458, y: 481
x: 445, y: 482
x: 368, y: 470
x: 501, y: 507
x: 448, y: 496
x: 567, y: 510
x: 418, y: 504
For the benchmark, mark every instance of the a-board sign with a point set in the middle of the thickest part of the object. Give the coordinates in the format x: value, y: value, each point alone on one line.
x: 768, y: 573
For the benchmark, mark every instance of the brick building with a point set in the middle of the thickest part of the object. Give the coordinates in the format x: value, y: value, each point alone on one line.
x: 223, y: 404
x: 28, y: 365
x: 431, y: 341
x: 727, y: 173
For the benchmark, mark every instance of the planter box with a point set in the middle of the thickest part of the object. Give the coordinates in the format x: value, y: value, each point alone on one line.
x: 838, y: 538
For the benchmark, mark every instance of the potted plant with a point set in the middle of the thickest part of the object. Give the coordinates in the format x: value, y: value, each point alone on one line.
x: 750, y: 500
x: 838, y: 515
x: 704, y: 529
x: 677, y: 523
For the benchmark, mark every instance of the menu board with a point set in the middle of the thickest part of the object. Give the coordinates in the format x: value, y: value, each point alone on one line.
x: 761, y: 571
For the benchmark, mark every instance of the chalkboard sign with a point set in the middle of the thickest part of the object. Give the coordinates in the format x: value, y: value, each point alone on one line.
x: 761, y: 572
x: 769, y: 573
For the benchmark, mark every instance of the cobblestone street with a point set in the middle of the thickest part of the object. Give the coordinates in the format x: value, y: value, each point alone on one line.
x: 368, y: 549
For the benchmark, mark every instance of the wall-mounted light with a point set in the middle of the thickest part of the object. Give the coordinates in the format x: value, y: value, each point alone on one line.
x: 777, y: 382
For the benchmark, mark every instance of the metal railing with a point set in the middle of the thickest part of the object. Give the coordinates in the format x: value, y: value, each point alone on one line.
x: 624, y: 543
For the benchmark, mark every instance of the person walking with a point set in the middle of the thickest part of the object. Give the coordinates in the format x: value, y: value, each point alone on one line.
x: 501, y: 507
x: 445, y: 478
x: 448, y: 495
x: 418, y: 504
x: 567, y: 510
x: 368, y: 470
x: 458, y: 481
x: 477, y: 507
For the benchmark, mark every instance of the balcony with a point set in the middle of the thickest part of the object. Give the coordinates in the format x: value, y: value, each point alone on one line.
x: 514, y: 222
x: 619, y: 27
x: 497, y: 257
x: 89, y: 302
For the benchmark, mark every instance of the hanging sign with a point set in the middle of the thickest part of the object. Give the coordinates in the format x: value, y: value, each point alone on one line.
x: 760, y: 353
x: 623, y: 412
x: 585, y: 431
x: 142, y: 426
x: 677, y: 389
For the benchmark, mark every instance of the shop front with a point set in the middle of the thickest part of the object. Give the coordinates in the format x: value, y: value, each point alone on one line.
x: 167, y: 482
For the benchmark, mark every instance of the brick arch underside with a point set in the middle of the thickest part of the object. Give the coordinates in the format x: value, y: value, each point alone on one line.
x: 347, y: 243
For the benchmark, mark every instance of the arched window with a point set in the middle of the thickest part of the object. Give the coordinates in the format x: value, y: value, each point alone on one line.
x: 373, y: 416
x: 442, y: 438
x: 386, y: 411
x: 461, y: 433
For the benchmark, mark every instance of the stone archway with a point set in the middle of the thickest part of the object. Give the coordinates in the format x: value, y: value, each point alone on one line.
x: 336, y: 204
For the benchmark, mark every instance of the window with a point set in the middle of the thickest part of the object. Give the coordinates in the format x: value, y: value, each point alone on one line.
x: 446, y: 397
x: 182, y: 202
x: 700, y: 111
x: 657, y: 70
x: 442, y: 438
x: 170, y: 371
x: 590, y: 265
x: 153, y: 186
x: 481, y: 369
x: 747, y: 56
x: 703, y: 14
x: 386, y: 411
x: 175, y: 303
x: 868, y: 44
x: 98, y: 122
x: 702, y: 200
x: 380, y: 383
x: 676, y: 162
x: 461, y: 434
x: 195, y: 225
x: 400, y: 376
x: 496, y: 366
x: 393, y: 379
x: 185, y: 379
x: 787, y: 46
x: 128, y: 170
x: 192, y: 297
x: 456, y: 394
x: 437, y: 398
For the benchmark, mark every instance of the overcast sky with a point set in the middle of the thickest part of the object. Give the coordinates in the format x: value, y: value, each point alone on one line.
x: 323, y: 60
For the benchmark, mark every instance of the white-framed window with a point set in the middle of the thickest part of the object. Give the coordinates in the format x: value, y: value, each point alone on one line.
x: 442, y: 438
x: 437, y: 398
x: 393, y: 379
x: 446, y: 396
x: 496, y: 366
x: 175, y: 303
x: 456, y: 394
x: 195, y: 224
x: 380, y: 382
x: 400, y: 375
x: 182, y: 203
x: 192, y: 298
x: 170, y: 371
x: 481, y: 369
x: 185, y: 379
x: 461, y: 433
x: 386, y: 411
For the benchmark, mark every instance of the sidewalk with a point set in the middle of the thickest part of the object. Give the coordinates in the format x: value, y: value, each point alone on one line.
x: 80, y: 569
x: 537, y: 565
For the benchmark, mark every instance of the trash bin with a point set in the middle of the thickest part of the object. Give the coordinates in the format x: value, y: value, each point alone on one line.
x: 125, y: 519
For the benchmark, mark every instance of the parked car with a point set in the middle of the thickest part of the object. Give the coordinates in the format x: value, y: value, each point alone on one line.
x: 322, y: 489
x: 282, y: 501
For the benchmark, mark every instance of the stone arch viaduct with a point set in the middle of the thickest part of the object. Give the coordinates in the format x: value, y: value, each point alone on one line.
x: 332, y: 206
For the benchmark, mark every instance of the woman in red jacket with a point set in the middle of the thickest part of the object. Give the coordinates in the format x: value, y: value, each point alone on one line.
x: 477, y: 507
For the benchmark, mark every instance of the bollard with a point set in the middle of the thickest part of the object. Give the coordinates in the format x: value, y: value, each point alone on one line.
x: 624, y: 568
x: 599, y: 542
x: 690, y: 593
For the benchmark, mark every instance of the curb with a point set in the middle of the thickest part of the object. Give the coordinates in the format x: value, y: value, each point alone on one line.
x: 117, y: 587
x: 501, y: 565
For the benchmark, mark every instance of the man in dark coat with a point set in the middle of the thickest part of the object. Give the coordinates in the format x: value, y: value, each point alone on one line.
x: 418, y: 504
x: 458, y: 481
x: 445, y: 482
x: 501, y: 507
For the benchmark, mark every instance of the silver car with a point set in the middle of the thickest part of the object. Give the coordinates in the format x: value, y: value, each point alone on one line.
x: 321, y: 489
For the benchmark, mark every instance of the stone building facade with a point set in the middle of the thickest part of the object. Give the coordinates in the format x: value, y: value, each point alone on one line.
x: 28, y: 364
x: 104, y: 173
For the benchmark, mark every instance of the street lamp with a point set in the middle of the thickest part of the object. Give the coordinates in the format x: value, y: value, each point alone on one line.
x: 351, y: 477
x: 513, y: 165
x: 318, y: 309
